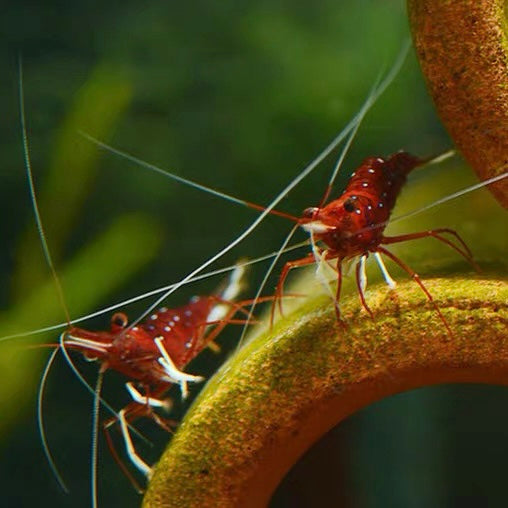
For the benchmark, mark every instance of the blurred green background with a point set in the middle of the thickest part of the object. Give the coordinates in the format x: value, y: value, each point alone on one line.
x: 238, y: 96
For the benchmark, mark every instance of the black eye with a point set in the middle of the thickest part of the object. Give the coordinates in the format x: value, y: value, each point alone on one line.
x: 309, y: 213
x: 119, y: 319
x: 349, y: 205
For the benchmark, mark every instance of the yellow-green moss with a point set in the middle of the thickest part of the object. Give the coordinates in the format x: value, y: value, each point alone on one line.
x: 287, y: 387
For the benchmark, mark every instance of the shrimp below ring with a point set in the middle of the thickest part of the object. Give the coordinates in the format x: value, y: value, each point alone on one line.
x: 153, y: 353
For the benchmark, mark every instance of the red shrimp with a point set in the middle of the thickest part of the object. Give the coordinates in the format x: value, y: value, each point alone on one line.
x: 353, y: 225
x: 153, y: 353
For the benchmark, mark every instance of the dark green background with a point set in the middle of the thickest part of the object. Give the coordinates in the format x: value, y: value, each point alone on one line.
x: 238, y: 96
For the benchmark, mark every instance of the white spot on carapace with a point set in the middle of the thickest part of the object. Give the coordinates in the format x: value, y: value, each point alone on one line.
x: 176, y: 317
x: 358, y: 211
x: 153, y: 317
x: 167, y: 329
x: 188, y: 313
x: 371, y: 171
x: 135, y: 329
x: 365, y: 184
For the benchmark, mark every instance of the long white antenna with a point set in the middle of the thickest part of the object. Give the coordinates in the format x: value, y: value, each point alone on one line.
x: 153, y: 292
x: 40, y: 422
x: 263, y: 284
x: 180, y: 179
x: 49, y: 260
x: 35, y: 206
x: 95, y: 438
x: 160, y: 171
x: 455, y: 195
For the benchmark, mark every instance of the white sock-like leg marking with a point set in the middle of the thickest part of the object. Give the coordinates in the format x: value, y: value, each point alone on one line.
x: 217, y: 313
x: 231, y: 291
x: 131, y: 451
x: 235, y: 284
x: 175, y: 375
x: 391, y: 283
x: 321, y: 264
x: 143, y: 399
x: 363, y: 273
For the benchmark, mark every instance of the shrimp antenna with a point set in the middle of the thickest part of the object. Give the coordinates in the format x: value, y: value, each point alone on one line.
x: 154, y: 292
x: 49, y: 260
x: 35, y: 206
x: 261, y: 287
x: 95, y: 437
x: 40, y: 422
x: 437, y: 159
x: 455, y: 195
x: 181, y: 179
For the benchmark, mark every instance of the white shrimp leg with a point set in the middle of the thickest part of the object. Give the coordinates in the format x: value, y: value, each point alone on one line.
x: 175, y: 375
x: 363, y: 273
x: 231, y: 291
x: 322, y: 265
x: 138, y: 397
x: 391, y: 283
x: 129, y: 447
x: 235, y: 283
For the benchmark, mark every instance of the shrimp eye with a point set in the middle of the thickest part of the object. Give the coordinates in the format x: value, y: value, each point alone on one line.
x: 349, y: 205
x: 309, y: 213
x: 119, y: 319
